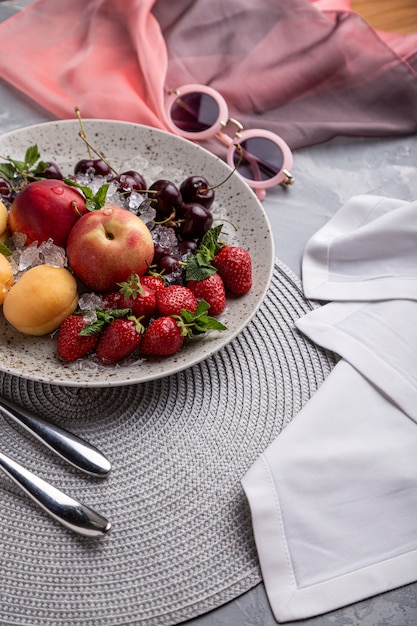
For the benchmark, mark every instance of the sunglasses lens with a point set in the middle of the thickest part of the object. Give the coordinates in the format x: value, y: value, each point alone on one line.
x: 260, y: 159
x: 194, y: 112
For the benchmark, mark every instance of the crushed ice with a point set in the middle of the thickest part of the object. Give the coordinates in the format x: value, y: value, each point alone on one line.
x: 25, y: 257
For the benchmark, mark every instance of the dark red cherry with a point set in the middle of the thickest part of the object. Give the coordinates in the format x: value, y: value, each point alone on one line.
x: 168, y: 264
x: 165, y: 197
x: 160, y: 251
x: 188, y: 246
x: 6, y: 190
x: 51, y: 171
x: 97, y: 166
x: 197, y: 189
x: 129, y: 181
x: 197, y: 220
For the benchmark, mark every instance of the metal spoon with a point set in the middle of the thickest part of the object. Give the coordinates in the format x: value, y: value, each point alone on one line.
x: 72, y: 514
x: 76, y: 451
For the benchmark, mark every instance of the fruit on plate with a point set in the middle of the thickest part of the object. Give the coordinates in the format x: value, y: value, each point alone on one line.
x: 133, y: 295
x: 234, y: 265
x: 119, y: 340
x: 163, y: 337
x: 4, y: 216
x: 41, y: 299
x: 46, y: 209
x: 104, y: 247
x: 211, y: 289
x: 6, y: 277
x: 71, y: 344
x: 172, y: 299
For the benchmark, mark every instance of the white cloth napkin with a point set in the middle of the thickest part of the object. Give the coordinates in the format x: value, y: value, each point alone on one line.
x: 334, y: 497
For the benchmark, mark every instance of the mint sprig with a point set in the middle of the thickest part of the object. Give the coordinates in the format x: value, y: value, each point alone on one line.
x: 93, y: 201
x: 200, y: 265
x: 32, y: 165
x: 103, y: 318
x: 199, y: 322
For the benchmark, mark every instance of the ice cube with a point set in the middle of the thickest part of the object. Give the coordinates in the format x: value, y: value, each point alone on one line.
x: 50, y: 254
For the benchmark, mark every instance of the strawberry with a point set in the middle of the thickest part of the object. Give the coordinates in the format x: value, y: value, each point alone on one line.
x: 154, y: 283
x: 142, y: 305
x: 210, y: 289
x: 112, y: 300
x: 162, y: 337
x: 171, y: 300
x: 235, y: 267
x: 133, y: 295
x: 72, y: 345
x: 165, y: 335
x: 119, y: 339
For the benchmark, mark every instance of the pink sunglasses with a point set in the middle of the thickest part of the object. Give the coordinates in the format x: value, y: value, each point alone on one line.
x: 260, y: 157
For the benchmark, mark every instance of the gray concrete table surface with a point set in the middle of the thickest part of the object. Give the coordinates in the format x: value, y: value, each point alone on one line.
x: 326, y: 175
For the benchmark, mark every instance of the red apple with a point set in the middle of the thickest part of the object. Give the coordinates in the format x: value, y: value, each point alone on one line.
x: 104, y: 247
x: 46, y: 209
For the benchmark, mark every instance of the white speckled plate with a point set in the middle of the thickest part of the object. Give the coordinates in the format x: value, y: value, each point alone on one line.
x: 155, y: 154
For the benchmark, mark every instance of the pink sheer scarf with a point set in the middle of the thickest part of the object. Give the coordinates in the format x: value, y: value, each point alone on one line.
x: 307, y: 69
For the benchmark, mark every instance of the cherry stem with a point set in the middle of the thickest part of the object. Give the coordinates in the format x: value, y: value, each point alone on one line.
x: 90, y: 147
x: 239, y: 148
x: 168, y: 219
x: 222, y: 219
x: 77, y: 111
x: 100, y: 156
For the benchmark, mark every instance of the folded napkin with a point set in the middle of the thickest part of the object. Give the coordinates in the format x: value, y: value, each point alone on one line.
x: 334, y: 497
x: 309, y: 70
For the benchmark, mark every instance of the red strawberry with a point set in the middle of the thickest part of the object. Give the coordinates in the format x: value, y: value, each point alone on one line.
x: 235, y: 267
x: 172, y: 299
x: 162, y: 337
x: 72, y: 345
x: 142, y: 304
x: 210, y: 289
x: 119, y: 339
x: 112, y: 300
x: 133, y: 295
x: 154, y: 283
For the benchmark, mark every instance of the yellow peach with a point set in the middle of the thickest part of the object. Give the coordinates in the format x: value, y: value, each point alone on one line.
x: 4, y: 216
x: 6, y: 277
x: 4, y: 236
x: 40, y: 300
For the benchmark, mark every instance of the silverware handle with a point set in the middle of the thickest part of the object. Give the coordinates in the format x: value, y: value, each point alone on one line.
x: 77, y: 517
x: 76, y: 451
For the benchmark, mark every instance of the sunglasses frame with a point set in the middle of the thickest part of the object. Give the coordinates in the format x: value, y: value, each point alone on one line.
x: 217, y: 130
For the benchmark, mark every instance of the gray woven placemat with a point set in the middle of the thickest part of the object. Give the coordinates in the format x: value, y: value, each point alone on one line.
x: 181, y: 542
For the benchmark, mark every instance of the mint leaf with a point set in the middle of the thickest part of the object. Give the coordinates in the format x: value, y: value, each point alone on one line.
x: 31, y: 166
x: 5, y: 250
x: 40, y: 168
x: 94, y: 201
x: 196, y: 269
x: 117, y: 313
x: 210, y: 240
x: 7, y: 170
x: 87, y: 191
x: 31, y: 156
x: 200, y: 266
x: 199, y: 322
x: 19, y: 166
x: 100, y: 196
